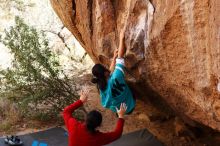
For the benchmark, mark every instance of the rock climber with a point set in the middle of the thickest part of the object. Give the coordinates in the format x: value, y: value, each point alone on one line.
x: 111, y: 83
x: 85, y: 133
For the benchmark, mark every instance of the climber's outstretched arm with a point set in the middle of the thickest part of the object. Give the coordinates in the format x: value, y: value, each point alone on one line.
x: 118, y: 53
x: 121, y: 47
x: 112, y: 66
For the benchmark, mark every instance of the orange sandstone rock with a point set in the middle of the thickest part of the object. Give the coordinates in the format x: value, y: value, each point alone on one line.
x: 172, y: 47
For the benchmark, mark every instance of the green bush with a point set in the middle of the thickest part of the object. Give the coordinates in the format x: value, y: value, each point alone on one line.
x: 35, y: 81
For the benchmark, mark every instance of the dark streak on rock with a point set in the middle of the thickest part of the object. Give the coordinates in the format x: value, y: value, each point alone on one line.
x: 90, y: 6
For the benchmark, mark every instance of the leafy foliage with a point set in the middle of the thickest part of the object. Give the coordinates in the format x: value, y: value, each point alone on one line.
x: 9, y: 5
x: 35, y: 80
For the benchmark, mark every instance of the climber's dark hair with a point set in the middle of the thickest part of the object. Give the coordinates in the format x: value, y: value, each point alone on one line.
x: 98, y: 72
x: 93, y: 120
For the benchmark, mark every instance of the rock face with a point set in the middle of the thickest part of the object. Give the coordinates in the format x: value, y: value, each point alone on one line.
x: 172, y: 47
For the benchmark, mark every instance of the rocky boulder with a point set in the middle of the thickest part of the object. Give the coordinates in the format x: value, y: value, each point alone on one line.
x: 172, y: 47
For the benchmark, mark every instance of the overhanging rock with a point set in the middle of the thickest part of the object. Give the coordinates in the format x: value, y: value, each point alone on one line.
x: 172, y: 47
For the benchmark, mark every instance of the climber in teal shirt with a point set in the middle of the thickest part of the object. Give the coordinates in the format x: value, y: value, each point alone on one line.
x: 111, y: 83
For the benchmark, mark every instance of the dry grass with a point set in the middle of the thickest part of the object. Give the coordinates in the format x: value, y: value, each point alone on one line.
x: 9, y: 115
x: 13, y: 121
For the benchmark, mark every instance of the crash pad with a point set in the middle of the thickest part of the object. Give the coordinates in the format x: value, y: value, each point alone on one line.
x: 59, y: 137
x: 137, y: 138
x: 51, y: 137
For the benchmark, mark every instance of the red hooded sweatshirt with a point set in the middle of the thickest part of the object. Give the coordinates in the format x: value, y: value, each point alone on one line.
x: 79, y: 135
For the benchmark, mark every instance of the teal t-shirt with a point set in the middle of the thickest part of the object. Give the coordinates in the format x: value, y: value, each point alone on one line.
x: 117, y: 91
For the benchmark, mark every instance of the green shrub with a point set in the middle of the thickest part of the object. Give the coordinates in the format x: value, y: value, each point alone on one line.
x: 35, y: 82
